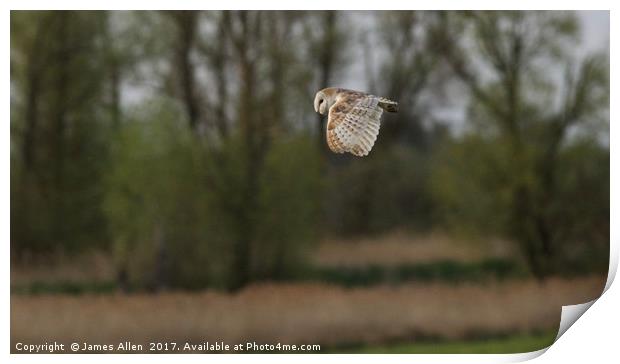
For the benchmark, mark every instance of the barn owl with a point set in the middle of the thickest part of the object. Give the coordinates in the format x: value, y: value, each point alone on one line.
x: 353, y: 118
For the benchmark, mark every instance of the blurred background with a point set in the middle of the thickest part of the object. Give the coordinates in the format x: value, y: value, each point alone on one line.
x: 171, y: 180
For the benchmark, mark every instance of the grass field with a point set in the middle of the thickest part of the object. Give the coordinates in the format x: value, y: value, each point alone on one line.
x: 400, y: 311
x: 502, y: 345
x: 401, y: 248
x: 303, y: 313
x: 390, y: 250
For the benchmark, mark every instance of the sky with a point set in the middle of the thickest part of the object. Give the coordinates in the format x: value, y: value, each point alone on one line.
x: 595, y: 27
x: 594, y: 38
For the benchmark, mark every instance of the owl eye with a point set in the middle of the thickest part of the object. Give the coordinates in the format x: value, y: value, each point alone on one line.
x: 320, y: 101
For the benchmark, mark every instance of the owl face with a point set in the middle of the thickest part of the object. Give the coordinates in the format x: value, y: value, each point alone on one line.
x: 322, y: 103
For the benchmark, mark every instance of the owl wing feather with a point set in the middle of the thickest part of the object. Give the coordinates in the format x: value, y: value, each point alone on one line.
x: 353, y: 124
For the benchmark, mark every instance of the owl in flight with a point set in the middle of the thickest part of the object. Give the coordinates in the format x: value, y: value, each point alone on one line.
x: 353, y: 118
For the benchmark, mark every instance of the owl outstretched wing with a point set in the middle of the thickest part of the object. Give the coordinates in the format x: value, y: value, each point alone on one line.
x: 353, y: 124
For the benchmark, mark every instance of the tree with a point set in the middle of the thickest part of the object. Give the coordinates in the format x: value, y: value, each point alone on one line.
x: 57, y: 63
x: 389, y: 189
x: 523, y: 118
x: 218, y: 216
x: 327, y: 50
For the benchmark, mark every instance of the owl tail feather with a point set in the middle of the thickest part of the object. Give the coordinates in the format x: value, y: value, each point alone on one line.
x: 388, y: 105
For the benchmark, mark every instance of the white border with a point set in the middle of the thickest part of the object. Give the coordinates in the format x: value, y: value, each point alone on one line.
x: 594, y: 335
x: 312, y: 5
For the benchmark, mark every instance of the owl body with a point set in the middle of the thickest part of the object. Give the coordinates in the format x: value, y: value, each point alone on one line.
x: 353, y: 118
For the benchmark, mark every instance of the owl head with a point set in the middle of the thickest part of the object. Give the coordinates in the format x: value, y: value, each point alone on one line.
x: 324, y: 99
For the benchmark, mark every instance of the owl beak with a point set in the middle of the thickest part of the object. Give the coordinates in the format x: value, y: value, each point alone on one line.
x: 316, y: 104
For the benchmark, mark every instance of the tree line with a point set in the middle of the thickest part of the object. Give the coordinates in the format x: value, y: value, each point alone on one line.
x: 185, y: 143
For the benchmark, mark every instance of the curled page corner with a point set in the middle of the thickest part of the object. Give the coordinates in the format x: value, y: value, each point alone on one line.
x: 570, y: 314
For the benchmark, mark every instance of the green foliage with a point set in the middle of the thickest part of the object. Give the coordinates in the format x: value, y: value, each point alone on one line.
x: 384, y: 191
x: 500, y: 344
x: 473, y: 187
x: 581, y: 210
x: 64, y: 287
x: 443, y: 271
x: 58, y: 136
x: 507, y: 174
x: 175, y: 209
x: 155, y: 201
x: 216, y: 182
x: 287, y: 210
x: 469, y: 185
